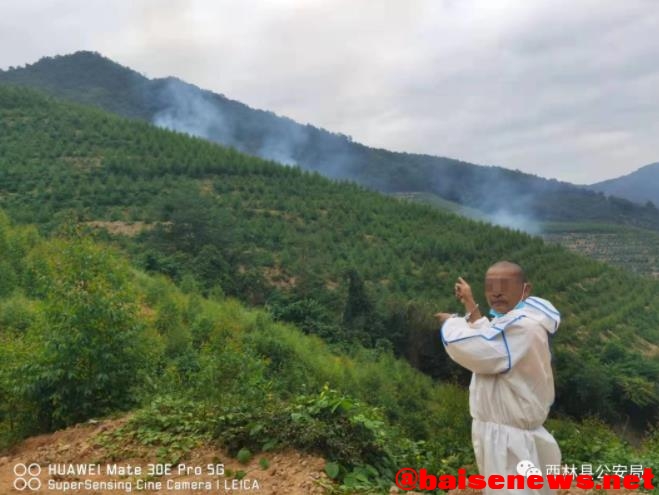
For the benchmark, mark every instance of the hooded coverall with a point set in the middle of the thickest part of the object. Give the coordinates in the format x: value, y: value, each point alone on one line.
x: 512, y: 387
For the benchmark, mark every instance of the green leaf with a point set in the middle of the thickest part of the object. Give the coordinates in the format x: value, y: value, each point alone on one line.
x: 244, y: 456
x: 332, y: 469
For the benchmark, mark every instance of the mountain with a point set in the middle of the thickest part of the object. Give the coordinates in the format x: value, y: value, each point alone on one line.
x: 640, y: 186
x: 89, y: 78
x: 341, y: 262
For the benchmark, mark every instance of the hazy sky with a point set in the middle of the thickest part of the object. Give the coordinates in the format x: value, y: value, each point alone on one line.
x: 564, y: 89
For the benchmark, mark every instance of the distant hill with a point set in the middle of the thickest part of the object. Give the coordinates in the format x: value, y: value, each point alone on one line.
x: 640, y: 186
x: 90, y: 78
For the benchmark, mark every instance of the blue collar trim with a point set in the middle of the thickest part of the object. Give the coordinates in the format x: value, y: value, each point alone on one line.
x: 496, y: 314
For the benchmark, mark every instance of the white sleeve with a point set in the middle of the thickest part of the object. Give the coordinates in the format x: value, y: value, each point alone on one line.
x: 483, y: 347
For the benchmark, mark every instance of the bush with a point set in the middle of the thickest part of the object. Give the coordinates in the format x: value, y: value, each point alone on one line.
x: 95, y: 350
x: 588, y: 442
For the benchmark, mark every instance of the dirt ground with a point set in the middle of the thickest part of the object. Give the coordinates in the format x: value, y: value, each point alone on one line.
x: 287, y: 472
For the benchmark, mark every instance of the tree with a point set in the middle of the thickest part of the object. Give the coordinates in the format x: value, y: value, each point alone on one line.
x: 95, y: 350
x: 358, y: 312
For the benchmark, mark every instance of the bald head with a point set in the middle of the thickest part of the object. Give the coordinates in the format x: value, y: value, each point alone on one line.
x: 509, y: 267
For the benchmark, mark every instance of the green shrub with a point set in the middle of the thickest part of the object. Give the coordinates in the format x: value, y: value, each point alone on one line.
x: 96, y: 351
x: 589, y: 442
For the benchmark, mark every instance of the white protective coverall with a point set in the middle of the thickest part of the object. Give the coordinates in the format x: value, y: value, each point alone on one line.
x: 512, y: 387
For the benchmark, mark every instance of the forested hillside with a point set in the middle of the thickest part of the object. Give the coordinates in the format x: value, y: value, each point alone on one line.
x: 340, y: 262
x: 92, y: 79
x: 631, y: 248
x: 636, y: 250
x: 83, y: 334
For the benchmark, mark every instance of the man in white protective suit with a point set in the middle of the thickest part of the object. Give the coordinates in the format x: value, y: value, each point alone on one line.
x: 512, y: 386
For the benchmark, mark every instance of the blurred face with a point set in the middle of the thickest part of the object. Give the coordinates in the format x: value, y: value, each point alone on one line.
x: 504, y: 288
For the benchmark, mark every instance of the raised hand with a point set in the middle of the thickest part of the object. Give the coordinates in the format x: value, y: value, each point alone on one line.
x: 463, y: 292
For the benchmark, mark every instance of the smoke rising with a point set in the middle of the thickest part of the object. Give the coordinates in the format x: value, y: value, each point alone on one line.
x: 187, y: 109
x: 514, y: 221
x: 505, y: 198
